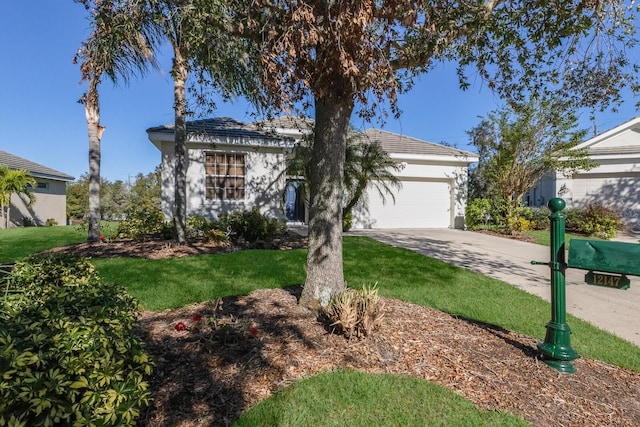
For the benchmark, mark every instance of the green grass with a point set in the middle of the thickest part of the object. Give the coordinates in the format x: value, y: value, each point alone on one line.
x: 543, y: 237
x: 175, y: 282
x: 355, y: 399
x: 399, y: 273
x: 17, y: 243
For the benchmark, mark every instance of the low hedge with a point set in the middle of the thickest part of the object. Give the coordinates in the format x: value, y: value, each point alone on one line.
x: 68, y: 355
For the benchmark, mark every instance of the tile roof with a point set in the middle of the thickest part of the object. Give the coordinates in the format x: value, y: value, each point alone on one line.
x: 302, y: 124
x: 603, y: 151
x: 35, y: 169
x: 225, y: 127
x: 402, y: 144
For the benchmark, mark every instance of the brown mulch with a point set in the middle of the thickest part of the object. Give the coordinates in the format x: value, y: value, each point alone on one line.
x: 238, y: 351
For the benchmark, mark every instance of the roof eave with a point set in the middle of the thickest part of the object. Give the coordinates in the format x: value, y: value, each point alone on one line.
x: 462, y: 159
x: 157, y: 137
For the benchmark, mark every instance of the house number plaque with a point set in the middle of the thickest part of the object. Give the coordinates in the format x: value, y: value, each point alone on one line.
x: 607, y: 280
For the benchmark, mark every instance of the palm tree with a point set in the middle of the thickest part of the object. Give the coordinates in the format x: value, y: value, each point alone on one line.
x: 205, y: 45
x: 366, y: 163
x: 13, y: 181
x: 121, y: 43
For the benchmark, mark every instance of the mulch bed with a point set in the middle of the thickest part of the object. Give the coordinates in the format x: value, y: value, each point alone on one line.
x: 236, y: 352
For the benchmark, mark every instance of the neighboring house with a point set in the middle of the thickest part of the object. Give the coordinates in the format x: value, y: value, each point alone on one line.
x: 614, y: 182
x: 233, y: 165
x: 50, y: 193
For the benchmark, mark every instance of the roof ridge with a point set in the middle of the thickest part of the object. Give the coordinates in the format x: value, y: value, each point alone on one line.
x: 16, y: 162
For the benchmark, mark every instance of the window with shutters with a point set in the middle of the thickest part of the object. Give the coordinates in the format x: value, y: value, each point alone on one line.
x: 225, y: 176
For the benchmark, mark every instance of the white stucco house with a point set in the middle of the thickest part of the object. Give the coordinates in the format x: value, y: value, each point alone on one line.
x: 614, y: 182
x: 50, y: 193
x: 234, y: 165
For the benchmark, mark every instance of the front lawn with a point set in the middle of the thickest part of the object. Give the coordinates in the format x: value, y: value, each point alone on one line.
x: 399, y: 273
x: 19, y: 242
x: 340, y: 397
x: 542, y: 237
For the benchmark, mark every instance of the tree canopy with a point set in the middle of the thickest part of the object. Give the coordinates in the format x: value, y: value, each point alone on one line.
x: 338, y: 56
x: 121, y: 44
x: 518, y: 145
x: 334, y: 56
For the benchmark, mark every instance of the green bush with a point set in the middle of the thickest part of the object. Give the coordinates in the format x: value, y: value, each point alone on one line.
x: 601, y: 221
x: 199, y: 227
x: 519, y: 224
x: 51, y: 222
x: 478, y: 214
x: 251, y: 226
x: 574, y: 220
x: 540, y: 217
x: 141, y: 224
x: 347, y: 221
x: 67, y: 352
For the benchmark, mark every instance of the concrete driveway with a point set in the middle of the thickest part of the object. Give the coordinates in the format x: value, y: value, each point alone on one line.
x: 614, y: 310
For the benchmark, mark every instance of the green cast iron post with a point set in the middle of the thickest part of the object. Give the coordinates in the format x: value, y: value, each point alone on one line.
x: 556, y: 348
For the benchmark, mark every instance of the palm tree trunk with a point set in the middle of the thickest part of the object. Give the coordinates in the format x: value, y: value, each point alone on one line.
x: 324, y: 259
x: 180, y: 74
x: 92, y: 113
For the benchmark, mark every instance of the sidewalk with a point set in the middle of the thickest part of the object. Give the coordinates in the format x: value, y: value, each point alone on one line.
x: 613, y: 310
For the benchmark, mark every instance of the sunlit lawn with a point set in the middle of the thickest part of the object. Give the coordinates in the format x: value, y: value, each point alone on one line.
x: 19, y: 242
x: 398, y: 273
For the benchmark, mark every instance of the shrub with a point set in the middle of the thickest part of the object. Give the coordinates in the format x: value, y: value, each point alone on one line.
x: 519, y: 224
x: 145, y: 223
x: 51, y: 222
x: 251, y: 226
x: 347, y: 221
x: 540, y: 217
x: 601, y: 221
x: 356, y: 313
x: 574, y: 220
x: 67, y: 352
x: 218, y: 236
x: 198, y: 226
x: 478, y: 213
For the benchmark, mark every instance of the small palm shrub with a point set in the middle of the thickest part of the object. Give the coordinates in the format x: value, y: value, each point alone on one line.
x: 356, y: 313
x: 67, y: 352
x: 251, y: 226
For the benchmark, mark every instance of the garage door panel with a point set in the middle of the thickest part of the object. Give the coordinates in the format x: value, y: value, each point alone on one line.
x: 419, y: 204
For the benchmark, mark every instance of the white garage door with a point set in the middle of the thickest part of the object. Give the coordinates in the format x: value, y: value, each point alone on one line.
x: 419, y: 204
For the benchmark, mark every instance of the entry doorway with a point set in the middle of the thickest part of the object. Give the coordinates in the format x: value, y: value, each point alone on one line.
x: 295, y: 210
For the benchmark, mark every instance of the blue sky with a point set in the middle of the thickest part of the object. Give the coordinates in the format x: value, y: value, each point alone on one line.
x: 42, y: 121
